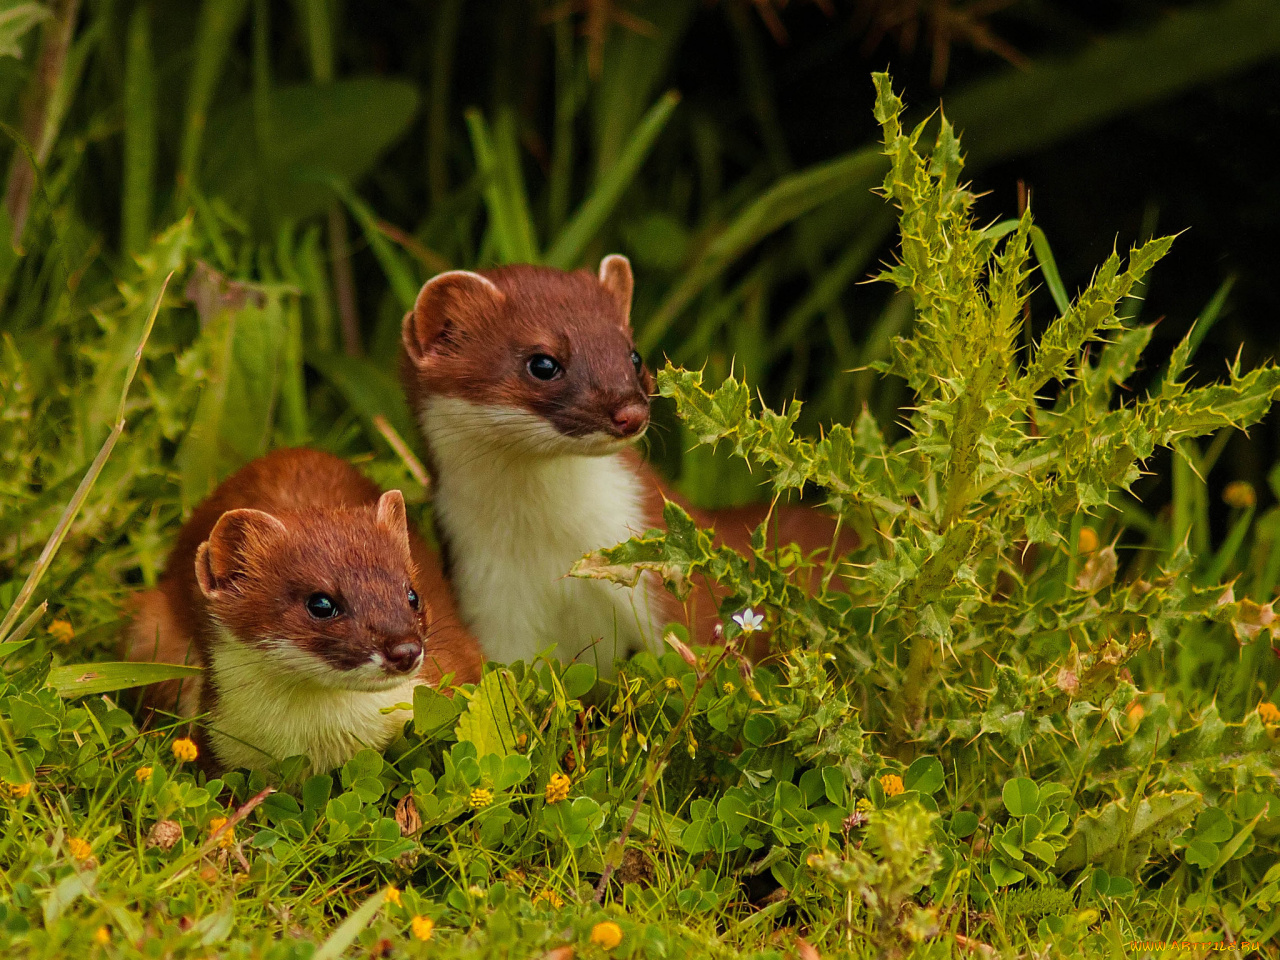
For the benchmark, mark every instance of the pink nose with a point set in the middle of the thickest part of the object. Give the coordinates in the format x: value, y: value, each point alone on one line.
x: 403, y: 656
x: 630, y: 419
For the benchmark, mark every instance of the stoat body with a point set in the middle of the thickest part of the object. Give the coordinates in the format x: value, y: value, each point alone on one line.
x: 516, y: 520
x: 530, y: 395
x: 299, y: 588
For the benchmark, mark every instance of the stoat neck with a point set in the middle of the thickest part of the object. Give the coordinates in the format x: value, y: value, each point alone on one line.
x: 516, y: 513
x: 266, y: 709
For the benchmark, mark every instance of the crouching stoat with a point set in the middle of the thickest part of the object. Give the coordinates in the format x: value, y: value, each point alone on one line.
x: 530, y: 393
x: 295, y: 586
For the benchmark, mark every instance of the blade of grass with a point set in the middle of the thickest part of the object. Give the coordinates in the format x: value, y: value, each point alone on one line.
x: 834, y: 280
x: 18, y: 639
x: 506, y: 142
x: 586, y: 223
x: 568, y: 100
x: 788, y: 199
x: 1049, y: 269
x: 82, y: 492
x: 349, y: 929
x: 1229, y: 549
x: 1195, y: 336
x: 1209, y: 315
x: 140, y: 139
x: 85, y: 679
x: 404, y: 282
x: 446, y: 37
x: 1023, y: 110
x: 509, y: 222
x: 406, y: 455
x: 219, y: 20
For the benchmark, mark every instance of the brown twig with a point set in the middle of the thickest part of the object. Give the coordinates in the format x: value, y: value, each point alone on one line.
x: 235, y: 818
x: 402, y: 450
x: 433, y: 261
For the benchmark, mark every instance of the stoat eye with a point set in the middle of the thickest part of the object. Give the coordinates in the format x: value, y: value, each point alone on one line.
x: 322, y: 606
x: 413, y: 598
x: 636, y: 361
x: 542, y: 367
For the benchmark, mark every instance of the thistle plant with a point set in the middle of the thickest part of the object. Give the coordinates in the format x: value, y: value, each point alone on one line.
x: 974, y: 622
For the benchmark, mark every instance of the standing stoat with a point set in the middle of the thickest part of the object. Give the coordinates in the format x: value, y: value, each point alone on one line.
x: 529, y: 392
x: 299, y: 588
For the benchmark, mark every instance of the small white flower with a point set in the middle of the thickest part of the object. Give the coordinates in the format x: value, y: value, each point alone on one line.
x: 748, y: 620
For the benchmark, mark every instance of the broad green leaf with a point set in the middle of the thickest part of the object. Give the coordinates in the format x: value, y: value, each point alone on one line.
x: 1213, y: 826
x: 487, y: 723
x: 1021, y: 797
x: 925, y: 775
x: 318, y: 131
x: 963, y: 824
x: 432, y: 710
x: 578, y: 679
x: 1202, y: 853
x: 1112, y: 838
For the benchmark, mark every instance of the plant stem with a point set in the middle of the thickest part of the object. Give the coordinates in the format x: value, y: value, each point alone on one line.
x: 656, y: 767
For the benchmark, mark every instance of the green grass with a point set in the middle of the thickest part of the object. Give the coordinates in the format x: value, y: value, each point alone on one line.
x: 1051, y: 670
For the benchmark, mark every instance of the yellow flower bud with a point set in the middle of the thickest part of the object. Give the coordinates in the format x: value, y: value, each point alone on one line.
x: 892, y: 784
x: 142, y: 774
x: 184, y: 750
x: 62, y: 631
x: 557, y: 788
x: 1238, y: 494
x: 481, y: 798
x: 422, y: 927
x: 1269, y: 712
x: 228, y: 836
x: 102, y: 936
x: 551, y: 897
x: 391, y: 895
x: 607, y: 934
x: 1088, y: 541
x: 79, y: 849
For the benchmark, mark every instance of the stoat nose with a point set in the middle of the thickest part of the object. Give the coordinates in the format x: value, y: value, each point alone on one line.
x: 404, y: 656
x: 630, y: 418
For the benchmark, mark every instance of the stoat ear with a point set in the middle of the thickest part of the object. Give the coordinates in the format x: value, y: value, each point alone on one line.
x: 391, y: 515
x: 615, y: 277
x: 447, y: 304
x: 224, y: 556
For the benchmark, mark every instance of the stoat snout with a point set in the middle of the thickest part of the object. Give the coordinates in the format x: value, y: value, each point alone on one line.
x: 544, y: 360
x: 327, y: 595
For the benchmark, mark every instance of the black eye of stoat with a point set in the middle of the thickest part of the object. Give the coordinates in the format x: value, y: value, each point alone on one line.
x: 413, y: 598
x: 542, y: 367
x: 322, y: 606
x: 636, y: 361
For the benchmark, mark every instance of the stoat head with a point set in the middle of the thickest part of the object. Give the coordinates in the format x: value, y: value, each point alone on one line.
x: 543, y: 356
x: 325, y: 594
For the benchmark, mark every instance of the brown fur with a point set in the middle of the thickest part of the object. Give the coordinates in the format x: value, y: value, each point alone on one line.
x: 286, y: 525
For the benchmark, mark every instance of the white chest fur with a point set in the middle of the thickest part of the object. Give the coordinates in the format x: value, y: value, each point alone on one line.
x: 267, y: 711
x: 518, y: 511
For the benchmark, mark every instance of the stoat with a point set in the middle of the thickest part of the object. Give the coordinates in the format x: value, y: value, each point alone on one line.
x: 530, y: 395
x: 314, y: 610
